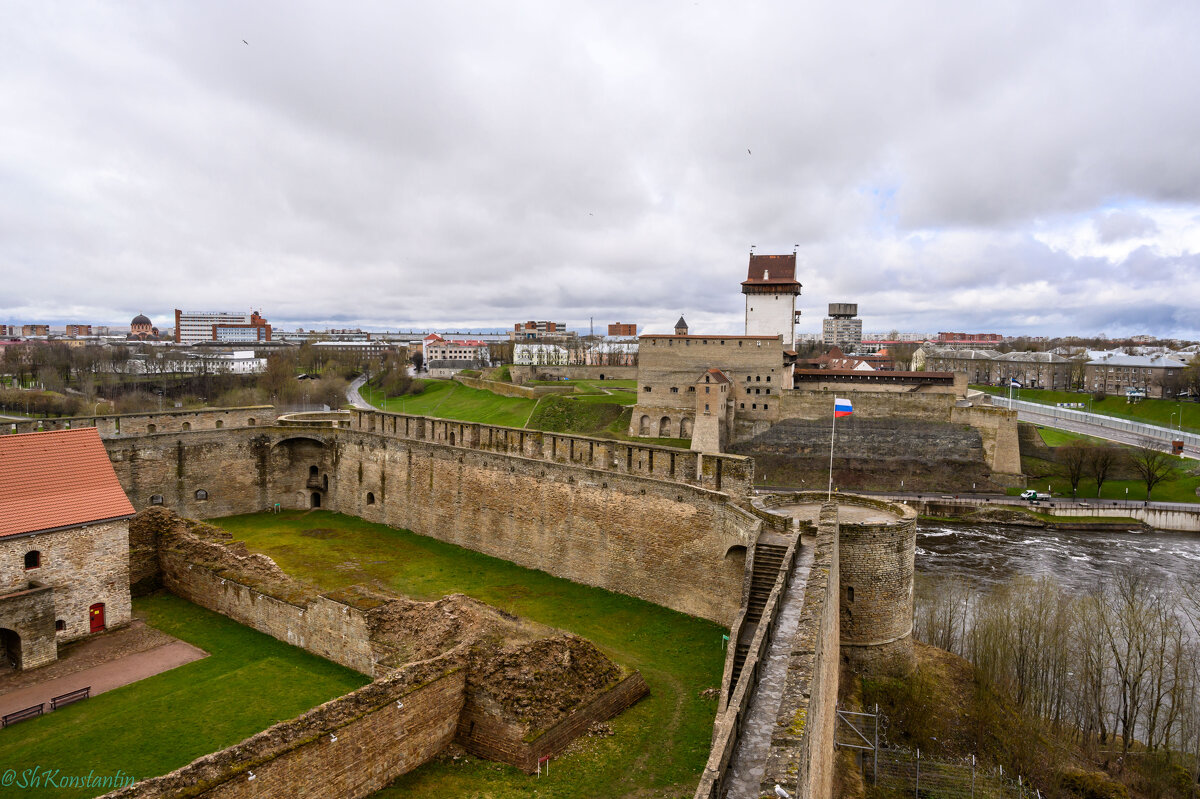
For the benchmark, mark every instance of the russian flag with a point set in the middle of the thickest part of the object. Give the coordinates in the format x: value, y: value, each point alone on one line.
x: 842, y: 407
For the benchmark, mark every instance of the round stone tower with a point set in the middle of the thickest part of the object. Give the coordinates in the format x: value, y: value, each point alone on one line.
x: 877, y: 547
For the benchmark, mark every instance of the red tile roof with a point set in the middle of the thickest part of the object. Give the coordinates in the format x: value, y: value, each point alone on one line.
x: 60, y: 478
x: 771, y: 270
x: 714, y: 376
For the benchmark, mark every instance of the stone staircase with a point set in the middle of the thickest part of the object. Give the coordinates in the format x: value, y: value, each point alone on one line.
x: 768, y: 558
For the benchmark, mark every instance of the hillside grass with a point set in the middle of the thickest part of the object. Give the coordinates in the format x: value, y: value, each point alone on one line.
x: 1150, y: 411
x: 248, y: 682
x: 602, y: 411
x: 447, y: 399
x: 1180, y: 486
x: 660, y: 743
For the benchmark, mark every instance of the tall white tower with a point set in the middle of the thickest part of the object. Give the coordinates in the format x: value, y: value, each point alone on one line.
x: 771, y: 289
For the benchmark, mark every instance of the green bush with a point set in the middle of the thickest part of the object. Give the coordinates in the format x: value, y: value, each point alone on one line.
x: 1092, y: 785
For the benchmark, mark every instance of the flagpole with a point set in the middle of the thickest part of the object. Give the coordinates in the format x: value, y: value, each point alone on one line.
x: 832, y: 433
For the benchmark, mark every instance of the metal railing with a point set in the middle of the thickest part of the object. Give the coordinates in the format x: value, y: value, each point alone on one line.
x: 1151, y: 431
x: 900, y: 773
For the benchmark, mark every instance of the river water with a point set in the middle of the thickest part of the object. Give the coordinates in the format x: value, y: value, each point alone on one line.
x: 986, y: 554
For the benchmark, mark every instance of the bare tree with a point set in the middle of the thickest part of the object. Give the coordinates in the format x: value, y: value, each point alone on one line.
x: 1100, y: 462
x: 1152, y: 465
x: 1074, y: 458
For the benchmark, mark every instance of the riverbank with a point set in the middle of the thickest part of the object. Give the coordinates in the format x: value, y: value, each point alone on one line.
x: 1020, y: 517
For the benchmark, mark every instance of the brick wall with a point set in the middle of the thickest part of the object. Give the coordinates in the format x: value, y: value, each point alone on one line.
x: 84, y: 565
x: 383, y: 730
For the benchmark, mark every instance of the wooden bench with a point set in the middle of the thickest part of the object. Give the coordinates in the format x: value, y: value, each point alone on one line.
x: 70, y: 696
x: 21, y: 715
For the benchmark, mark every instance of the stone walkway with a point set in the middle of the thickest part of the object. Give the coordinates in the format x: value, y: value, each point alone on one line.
x: 106, y: 662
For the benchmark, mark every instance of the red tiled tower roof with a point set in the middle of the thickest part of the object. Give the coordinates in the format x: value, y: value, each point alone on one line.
x: 772, y: 270
x: 61, y: 478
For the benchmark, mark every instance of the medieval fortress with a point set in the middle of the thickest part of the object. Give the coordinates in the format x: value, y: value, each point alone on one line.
x: 683, y: 529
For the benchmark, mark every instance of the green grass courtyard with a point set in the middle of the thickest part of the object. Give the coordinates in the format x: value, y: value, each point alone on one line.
x: 248, y: 682
x: 661, y: 743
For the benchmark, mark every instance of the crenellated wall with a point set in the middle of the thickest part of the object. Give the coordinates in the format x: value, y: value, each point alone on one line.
x: 649, y: 521
x: 138, y: 424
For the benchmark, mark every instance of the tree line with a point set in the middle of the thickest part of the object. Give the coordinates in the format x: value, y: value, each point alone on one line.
x: 1115, y: 668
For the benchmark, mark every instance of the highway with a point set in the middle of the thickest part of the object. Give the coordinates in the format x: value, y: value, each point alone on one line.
x: 1119, y: 436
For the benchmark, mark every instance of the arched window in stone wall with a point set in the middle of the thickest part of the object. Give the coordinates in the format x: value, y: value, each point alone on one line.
x: 370, y: 498
x: 187, y: 425
x: 250, y: 422
x: 685, y: 427
x: 220, y: 423
x: 151, y: 428
x: 33, y: 559
x: 325, y: 482
x: 201, y: 494
x: 664, y: 427
x: 849, y: 593
x: 156, y: 499
x: 312, y: 471
x: 644, y: 426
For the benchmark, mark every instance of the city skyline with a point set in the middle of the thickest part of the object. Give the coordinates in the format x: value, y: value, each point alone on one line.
x: 1023, y: 170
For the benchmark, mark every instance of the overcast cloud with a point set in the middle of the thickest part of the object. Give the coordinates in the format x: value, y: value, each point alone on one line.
x: 1022, y: 167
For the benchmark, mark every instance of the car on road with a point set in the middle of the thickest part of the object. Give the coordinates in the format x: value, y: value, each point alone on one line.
x: 1033, y: 496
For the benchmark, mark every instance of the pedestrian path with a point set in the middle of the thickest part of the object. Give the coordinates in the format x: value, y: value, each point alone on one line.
x: 125, y: 669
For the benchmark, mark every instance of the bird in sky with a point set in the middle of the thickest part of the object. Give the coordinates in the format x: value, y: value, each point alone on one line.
x: 245, y: 42
x: 748, y: 151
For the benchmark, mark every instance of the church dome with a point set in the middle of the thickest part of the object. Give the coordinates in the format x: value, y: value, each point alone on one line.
x: 140, y: 319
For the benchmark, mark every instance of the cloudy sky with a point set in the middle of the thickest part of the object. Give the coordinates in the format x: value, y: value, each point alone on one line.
x: 1016, y: 167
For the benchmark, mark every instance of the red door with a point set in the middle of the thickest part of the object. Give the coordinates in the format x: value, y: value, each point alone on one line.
x: 96, y: 616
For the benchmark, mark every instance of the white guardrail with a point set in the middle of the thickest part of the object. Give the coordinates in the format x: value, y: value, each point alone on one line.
x: 1111, y: 422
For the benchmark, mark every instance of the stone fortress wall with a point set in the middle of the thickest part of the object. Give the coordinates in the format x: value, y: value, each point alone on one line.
x: 356, y: 744
x: 871, y: 633
x: 650, y: 521
x: 654, y: 522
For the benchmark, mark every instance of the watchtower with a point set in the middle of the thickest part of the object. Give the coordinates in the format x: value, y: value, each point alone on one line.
x: 771, y: 289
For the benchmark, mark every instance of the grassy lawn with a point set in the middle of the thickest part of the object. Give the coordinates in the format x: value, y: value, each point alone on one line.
x: 1180, y: 486
x: 248, y: 682
x: 661, y: 742
x: 447, y: 399
x: 1150, y: 411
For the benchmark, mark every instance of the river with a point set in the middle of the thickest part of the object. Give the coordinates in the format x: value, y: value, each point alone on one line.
x: 983, y: 554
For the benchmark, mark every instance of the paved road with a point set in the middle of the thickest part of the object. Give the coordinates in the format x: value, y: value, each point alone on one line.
x: 353, y: 397
x: 1003, y: 499
x: 1120, y: 436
